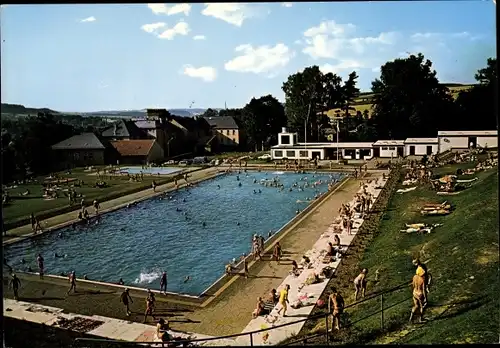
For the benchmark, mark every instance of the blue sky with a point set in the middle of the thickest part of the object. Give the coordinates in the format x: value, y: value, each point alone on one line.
x: 117, y: 57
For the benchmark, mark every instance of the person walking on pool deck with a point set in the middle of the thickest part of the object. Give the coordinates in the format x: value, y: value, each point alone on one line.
x: 277, y: 252
x: 163, y: 283
x: 153, y: 185
x: 33, y: 221
x: 15, y: 283
x: 72, y: 281
x: 150, y: 305
x: 360, y: 284
x: 125, y: 298
x: 284, y: 300
x: 335, y: 307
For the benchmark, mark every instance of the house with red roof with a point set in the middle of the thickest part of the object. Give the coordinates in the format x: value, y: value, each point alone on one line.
x: 138, y: 151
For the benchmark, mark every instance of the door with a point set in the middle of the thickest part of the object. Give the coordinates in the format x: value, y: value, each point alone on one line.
x: 316, y: 154
x: 429, y: 150
x: 472, y: 142
x: 376, y: 151
x: 400, y: 151
x: 412, y: 150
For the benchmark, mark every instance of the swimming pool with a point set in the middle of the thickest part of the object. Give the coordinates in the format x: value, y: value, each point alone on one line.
x: 167, y: 233
x: 150, y: 170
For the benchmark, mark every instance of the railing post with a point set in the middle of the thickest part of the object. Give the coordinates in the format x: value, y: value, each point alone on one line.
x: 382, y: 311
x: 327, y: 333
x: 251, y: 340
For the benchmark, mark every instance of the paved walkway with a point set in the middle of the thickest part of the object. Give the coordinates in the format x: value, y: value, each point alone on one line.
x: 67, y: 219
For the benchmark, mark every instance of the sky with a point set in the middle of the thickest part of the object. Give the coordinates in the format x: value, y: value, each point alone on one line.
x: 130, y: 57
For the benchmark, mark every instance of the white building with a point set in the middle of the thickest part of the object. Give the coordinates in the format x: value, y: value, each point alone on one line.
x: 448, y: 140
x: 389, y: 148
x: 421, y: 146
x: 288, y: 147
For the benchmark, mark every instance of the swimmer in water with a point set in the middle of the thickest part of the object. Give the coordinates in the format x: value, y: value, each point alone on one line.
x: 218, y: 186
x: 187, y: 279
x: 204, y: 224
x: 56, y: 255
x: 237, y: 178
x: 239, y: 184
x: 260, y: 191
x: 177, y: 209
x: 23, y: 261
x: 237, y: 224
x: 60, y: 235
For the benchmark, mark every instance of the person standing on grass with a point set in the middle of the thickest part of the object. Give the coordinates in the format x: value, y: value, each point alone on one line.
x: 163, y: 283
x: 40, y: 260
x: 335, y: 307
x: 125, y: 298
x: 283, y: 300
x: 360, y: 284
x: 419, y: 297
x: 96, y: 206
x: 153, y: 184
x: 72, y: 282
x: 16, y: 284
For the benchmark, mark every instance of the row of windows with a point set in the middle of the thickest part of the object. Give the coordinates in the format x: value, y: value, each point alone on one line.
x: 290, y: 153
x: 227, y: 131
x: 391, y: 148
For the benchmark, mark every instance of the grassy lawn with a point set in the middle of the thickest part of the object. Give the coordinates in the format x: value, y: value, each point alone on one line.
x: 462, y: 257
x: 22, y: 206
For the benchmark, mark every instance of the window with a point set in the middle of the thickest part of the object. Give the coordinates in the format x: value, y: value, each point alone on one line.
x: 285, y: 139
x: 303, y: 153
x: 290, y: 154
x: 234, y: 132
x: 278, y: 153
x: 384, y: 148
x: 350, y: 152
x: 392, y: 148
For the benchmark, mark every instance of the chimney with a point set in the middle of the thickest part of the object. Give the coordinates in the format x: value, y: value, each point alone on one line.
x: 283, y: 130
x: 114, y: 129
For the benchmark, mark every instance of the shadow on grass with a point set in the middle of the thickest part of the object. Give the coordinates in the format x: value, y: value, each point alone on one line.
x: 40, y: 299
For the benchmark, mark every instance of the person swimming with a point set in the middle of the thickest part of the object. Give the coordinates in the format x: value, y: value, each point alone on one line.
x: 237, y: 224
x: 56, y: 255
x: 188, y: 278
x: 239, y: 184
x: 204, y: 224
x: 218, y: 186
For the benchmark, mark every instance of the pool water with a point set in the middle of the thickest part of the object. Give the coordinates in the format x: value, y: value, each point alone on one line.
x: 139, y: 242
x: 150, y: 170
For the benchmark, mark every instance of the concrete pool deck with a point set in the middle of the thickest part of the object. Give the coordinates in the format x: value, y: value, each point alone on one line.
x: 227, y: 313
x: 63, y: 220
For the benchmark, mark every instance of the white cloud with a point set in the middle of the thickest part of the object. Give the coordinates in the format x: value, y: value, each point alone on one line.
x: 88, y: 19
x: 199, y: 37
x: 232, y: 13
x: 342, y: 65
x: 420, y: 37
x: 158, y: 29
x: 287, y: 4
x: 262, y: 59
x: 153, y: 27
x: 206, y: 73
x: 332, y: 40
x: 170, y: 10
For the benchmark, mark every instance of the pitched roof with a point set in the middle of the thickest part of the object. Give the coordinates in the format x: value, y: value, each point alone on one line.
x: 139, y: 147
x: 222, y: 122
x: 123, y: 128
x: 85, y: 141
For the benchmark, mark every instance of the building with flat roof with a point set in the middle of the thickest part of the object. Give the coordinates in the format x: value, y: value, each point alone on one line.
x: 421, y: 146
x: 462, y: 140
x: 389, y: 148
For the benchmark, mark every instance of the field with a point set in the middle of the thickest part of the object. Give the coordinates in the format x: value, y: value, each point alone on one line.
x: 22, y: 206
x: 364, y: 101
x: 462, y: 256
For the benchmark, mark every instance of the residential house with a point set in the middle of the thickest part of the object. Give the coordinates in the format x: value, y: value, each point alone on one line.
x: 80, y: 150
x: 124, y: 129
x: 228, y: 134
x: 138, y: 151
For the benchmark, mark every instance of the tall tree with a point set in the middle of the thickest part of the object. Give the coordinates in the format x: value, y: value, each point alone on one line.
x: 409, y: 101
x: 210, y: 113
x: 308, y: 94
x: 349, y: 93
x: 262, y: 120
x: 476, y: 109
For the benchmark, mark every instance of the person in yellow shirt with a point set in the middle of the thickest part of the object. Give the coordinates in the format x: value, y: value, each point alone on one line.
x: 284, y: 299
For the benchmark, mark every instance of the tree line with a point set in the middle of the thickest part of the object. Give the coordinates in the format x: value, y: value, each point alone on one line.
x: 408, y: 101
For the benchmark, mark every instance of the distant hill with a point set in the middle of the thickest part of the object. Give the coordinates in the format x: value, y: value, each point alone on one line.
x: 21, y: 110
